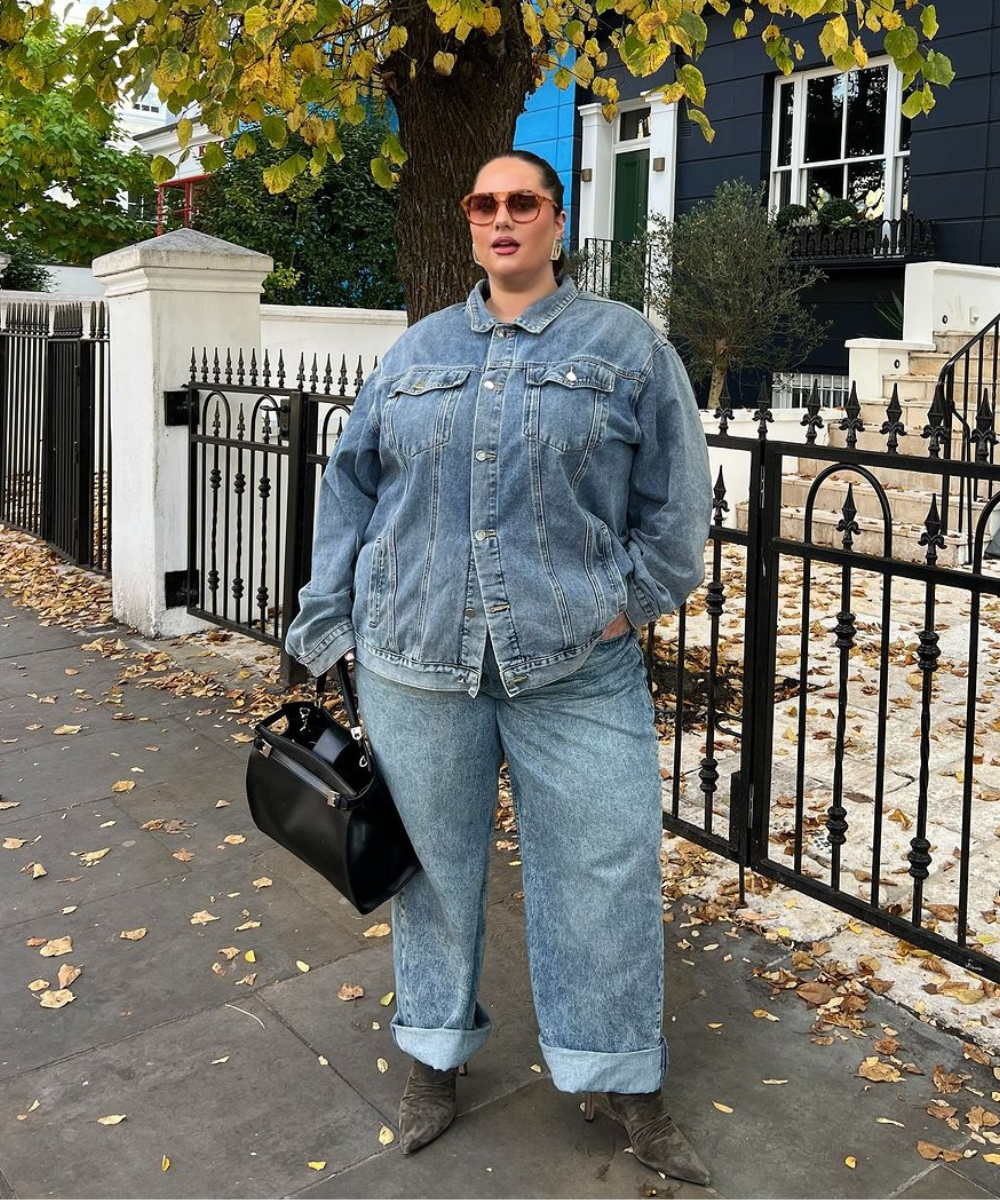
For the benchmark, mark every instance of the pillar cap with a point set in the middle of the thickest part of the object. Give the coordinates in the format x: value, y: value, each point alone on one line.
x: 180, y: 250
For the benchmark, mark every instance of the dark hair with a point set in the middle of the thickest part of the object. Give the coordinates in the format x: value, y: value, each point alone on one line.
x: 550, y: 182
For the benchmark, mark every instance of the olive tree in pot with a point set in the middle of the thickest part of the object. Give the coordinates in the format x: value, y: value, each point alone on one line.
x: 723, y: 280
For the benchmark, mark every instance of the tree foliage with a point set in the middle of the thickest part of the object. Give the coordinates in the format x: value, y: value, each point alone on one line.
x: 724, y: 281
x: 332, y: 237
x: 457, y: 72
x: 47, y: 146
x: 25, y: 272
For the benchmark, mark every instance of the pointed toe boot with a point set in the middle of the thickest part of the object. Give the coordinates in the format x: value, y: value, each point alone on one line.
x: 656, y: 1140
x: 427, y: 1106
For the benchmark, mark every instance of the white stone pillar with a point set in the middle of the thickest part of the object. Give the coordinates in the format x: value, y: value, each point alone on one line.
x: 596, y: 156
x: 165, y: 296
x: 662, y: 156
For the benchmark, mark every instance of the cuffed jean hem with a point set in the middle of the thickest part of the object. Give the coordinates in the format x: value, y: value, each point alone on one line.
x: 590, y: 1071
x: 442, y: 1048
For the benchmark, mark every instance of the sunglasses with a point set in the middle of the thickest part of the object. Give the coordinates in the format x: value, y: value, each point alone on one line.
x: 482, y: 207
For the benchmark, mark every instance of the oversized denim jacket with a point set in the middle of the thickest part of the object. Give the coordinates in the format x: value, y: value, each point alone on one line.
x: 531, y: 478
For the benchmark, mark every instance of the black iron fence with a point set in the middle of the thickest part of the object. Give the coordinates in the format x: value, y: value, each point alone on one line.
x: 903, y: 239
x: 618, y: 270
x: 55, y: 426
x: 827, y: 700
x: 259, y: 441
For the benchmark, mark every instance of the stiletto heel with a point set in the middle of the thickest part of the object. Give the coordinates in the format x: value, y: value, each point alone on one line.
x: 463, y: 1069
x: 589, y: 1110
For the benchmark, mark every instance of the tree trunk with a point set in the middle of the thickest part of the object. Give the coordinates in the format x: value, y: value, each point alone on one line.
x: 450, y: 125
x: 719, y: 373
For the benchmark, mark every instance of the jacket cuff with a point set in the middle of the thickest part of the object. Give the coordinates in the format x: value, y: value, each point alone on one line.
x: 332, y: 647
x: 636, y: 608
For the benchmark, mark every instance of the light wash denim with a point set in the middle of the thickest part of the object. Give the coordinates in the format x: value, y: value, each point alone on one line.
x: 582, y: 755
x: 530, y: 479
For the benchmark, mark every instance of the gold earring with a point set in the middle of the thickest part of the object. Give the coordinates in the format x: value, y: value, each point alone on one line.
x: 557, y: 249
x: 475, y: 257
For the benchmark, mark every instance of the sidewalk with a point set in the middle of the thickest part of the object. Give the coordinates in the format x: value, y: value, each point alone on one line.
x: 243, y: 1073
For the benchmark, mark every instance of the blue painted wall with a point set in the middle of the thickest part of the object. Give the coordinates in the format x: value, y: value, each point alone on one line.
x: 546, y: 128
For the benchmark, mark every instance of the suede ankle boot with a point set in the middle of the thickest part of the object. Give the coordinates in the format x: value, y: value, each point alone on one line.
x: 427, y: 1106
x: 656, y: 1140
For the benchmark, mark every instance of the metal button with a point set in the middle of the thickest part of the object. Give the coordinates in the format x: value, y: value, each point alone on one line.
x: 480, y: 535
x: 571, y: 375
x: 502, y: 333
x: 470, y: 612
x: 489, y: 385
x: 481, y: 455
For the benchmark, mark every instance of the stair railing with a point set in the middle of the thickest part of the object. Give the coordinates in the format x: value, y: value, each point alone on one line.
x: 966, y: 393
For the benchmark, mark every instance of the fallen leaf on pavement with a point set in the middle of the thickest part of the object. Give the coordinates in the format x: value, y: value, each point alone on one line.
x: 67, y: 974
x: 13, y: 843
x: 263, y: 882
x: 375, y: 931
x: 56, y: 946
x: 724, y: 1108
x: 113, y: 1119
x: 350, y: 991
x: 123, y: 785
x: 303, y: 966
x: 931, y: 1152
x: 318, y: 1165
x: 764, y: 1015
x: 386, y: 1136
x: 93, y: 856
x: 234, y: 839
x: 850, y: 1161
x: 387, y: 999
x: 382, y: 1065
x: 133, y: 935
x: 202, y: 917
x: 877, y: 1071
x: 57, y: 999
x: 37, y: 985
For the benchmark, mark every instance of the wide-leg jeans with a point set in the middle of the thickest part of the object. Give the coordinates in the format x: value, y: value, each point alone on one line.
x: 584, y: 772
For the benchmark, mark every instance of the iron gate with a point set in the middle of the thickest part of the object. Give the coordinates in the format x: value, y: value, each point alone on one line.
x: 55, y: 427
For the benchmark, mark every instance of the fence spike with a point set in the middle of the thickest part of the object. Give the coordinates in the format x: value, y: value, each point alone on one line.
x: 720, y: 504
x: 240, y: 368
x: 932, y: 537
x: 934, y: 429
x: 852, y: 422
x: 300, y: 378
x: 204, y: 364
x: 359, y: 377
x: 983, y: 437
x: 229, y: 366
x: 724, y: 413
x: 762, y: 414
x: 893, y: 424
x: 328, y: 377
x: 193, y: 374
x: 848, y: 525
x: 281, y: 369
x: 314, y: 375
x: 811, y: 418
x: 266, y: 372
x: 342, y: 381
x: 216, y: 369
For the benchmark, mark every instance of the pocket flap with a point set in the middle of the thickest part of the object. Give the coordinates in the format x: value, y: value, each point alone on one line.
x: 418, y: 380
x: 573, y: 375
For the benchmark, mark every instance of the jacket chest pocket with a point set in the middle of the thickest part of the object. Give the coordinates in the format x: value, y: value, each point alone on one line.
x: 566, y: 404
x: 420, y: 406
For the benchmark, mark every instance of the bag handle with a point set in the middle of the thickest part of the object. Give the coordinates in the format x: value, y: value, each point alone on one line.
x: 350, y: 704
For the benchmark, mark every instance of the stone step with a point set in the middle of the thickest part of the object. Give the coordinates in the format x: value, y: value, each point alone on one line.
x: 950, y: 343
x: 907, y: 505
x: 914, y: 416
x: 910, y: 443
x: 889, y: 477
x: 927, y: 362
x: 870, y: 540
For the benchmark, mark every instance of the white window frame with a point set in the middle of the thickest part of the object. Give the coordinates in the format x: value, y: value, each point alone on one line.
x: 798, y: 169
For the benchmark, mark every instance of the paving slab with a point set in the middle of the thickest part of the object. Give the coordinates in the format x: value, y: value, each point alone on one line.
x: 822, y: 1115
x: 978, y: 1172
x: 21, y: 633
x: 344, y: 1032
x: 56, y: 669
x: 942, y: 1183
x: 57, y: 841
x: 83, y: 769
x: 248, y: 1126
x: 530, y: 1143
x: 130, y: 985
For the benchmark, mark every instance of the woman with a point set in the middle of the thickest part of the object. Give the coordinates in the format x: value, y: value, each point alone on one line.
x: 522, y: 484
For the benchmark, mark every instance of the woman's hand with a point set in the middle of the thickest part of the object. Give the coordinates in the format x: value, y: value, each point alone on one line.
x: 621, y: 624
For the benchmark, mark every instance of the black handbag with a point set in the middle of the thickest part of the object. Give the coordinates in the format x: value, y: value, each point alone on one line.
x: 315, y: 789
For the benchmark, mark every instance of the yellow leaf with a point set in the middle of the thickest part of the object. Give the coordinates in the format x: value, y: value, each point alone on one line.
x: 56, y: 946
x: 443, y: 64
x: 374, y: 931
x: 67, y: 974
x: 56, y: 999
x: 386, y: 1136
x: 13, y: 843
x: 113, y: 1119
x: 715, y: 1025
x: 37, y: 985
x: 37, y: 870
x: 889, y: 1121
x: 992, y: 1158
x: 164, y: 1163
x: 133, y: 935
x: 851, y: 1162
x: 303, y: 966
x: 774, y: 1081
x: 263, y: 882
x: 536, y: 1068
x: 60, y: 730
x: 93, y: 856
x: 387, y: 999
x: 382, y: 1065
x: 202, y: 917
x: 250, y: 956
x: 350, y: 991
x: 123, y: 785
x: 318, y: 1165
x: 234, y: 839
x: 764, y: 1015
x: 721, y: 1107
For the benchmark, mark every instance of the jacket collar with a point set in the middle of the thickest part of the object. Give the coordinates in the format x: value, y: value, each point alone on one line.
x: 534, y: 318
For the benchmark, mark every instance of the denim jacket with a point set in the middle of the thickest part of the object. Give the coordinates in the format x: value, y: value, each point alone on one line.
x: 531, y: 478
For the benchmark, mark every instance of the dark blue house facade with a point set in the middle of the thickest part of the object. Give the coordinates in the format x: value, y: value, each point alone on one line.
x: 926, y: 189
